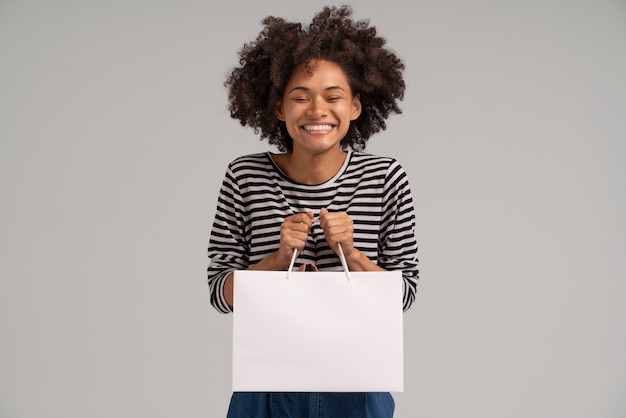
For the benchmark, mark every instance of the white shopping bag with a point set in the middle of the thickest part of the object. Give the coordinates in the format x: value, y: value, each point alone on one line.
x: 317, y: 331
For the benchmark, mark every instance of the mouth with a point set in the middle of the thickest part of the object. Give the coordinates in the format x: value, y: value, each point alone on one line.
x: 318, y: 128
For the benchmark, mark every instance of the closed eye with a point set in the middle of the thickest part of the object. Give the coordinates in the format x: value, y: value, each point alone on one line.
x: 300, y: 99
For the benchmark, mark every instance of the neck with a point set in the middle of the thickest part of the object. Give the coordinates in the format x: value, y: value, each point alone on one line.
x: 311, y: 169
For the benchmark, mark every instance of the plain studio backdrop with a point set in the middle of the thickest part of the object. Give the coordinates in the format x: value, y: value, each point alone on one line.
x: 115, y: 136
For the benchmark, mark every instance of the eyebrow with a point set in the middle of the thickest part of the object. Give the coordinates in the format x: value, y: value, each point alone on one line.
x: 302, y: 88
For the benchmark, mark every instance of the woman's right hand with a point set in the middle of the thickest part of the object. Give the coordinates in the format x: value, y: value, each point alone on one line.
x: 294, y: 232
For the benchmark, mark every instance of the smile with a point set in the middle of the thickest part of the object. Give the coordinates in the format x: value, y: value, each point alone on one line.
x: 311, y: 128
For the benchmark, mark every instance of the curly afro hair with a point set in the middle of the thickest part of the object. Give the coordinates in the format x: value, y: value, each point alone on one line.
x: 266, y: 64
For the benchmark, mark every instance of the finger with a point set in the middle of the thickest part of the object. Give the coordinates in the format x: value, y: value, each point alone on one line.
x: 336, y: 223
x: 305, y: 218
x: 298, y: 232
x: 299, y: 227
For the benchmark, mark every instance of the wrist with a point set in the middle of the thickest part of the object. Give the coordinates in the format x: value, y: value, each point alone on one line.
x: 355, y: 260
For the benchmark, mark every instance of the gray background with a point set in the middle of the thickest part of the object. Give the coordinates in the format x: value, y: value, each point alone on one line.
x: 114, y: 140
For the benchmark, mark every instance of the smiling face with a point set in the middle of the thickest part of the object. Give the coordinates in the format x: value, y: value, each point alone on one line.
x: 317, y: 108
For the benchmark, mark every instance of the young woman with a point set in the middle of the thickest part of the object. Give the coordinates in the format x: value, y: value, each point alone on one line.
x: 317, y: 94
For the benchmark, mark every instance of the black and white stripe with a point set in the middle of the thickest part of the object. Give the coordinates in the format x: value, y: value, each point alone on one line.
x: 256, y: 197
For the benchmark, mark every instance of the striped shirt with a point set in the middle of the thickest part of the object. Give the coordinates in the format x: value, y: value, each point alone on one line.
x: 256, y: 196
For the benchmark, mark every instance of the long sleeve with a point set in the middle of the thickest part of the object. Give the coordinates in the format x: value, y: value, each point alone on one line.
x: 398, y: 244
x: 227, y: 246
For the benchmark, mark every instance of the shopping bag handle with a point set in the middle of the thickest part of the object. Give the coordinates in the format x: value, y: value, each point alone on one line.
x: 342, y: 257
x: 344, y: 263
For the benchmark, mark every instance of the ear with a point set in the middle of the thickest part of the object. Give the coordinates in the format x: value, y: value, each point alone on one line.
x: 280, y: 114
x: 356, y: 107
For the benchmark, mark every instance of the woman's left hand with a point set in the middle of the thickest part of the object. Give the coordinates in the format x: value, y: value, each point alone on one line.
x: 338, y: 228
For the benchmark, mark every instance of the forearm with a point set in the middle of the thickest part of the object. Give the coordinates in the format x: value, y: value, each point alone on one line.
x: 357, y: 261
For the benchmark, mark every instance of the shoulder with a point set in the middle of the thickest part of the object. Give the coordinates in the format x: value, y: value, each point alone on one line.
x: 375, y: 162
x: 386, y: 170
x: 257, y: 161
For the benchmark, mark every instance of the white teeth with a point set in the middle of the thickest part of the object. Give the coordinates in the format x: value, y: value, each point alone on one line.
x: 318, y: 127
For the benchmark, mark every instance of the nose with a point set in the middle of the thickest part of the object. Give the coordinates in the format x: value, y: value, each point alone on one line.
x: 317, y: 108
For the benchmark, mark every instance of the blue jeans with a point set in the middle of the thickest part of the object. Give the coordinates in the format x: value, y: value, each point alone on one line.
x: 311, y: 405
